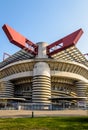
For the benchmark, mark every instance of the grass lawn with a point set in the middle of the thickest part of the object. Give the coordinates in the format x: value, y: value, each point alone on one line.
x: 44, y: 123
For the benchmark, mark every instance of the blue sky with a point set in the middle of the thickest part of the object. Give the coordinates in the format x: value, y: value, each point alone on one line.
x: 43, y: 20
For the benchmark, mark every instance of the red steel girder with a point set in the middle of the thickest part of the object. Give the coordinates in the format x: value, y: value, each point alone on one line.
x: 19, y: 40
x: 64, y: 43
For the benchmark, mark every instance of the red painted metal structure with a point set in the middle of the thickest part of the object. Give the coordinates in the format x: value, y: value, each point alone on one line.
x: 22, y: 42
x: 64, y: 43
x: 19, y: 40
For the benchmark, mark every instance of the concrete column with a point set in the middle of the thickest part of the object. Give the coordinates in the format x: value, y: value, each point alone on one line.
x: 42, y: 50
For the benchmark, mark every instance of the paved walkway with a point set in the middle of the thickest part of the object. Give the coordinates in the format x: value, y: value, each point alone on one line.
x: 28, y: 113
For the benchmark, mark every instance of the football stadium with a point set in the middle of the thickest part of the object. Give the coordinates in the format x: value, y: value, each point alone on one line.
x: 42, y: 76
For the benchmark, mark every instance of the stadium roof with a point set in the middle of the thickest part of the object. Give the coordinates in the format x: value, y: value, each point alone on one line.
x: 20, y: 55
x: 70, y: 54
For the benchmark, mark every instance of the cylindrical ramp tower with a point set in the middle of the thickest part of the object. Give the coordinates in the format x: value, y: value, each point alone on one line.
x: 6, y: 89
x: 41, y: 87
x: 82, y: 92
x: 41, y: 83
x: 81, y: 88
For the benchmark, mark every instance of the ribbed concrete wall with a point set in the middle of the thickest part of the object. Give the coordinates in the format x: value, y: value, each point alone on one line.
x: 81, y: 88
x: 6, y: 89
x: 41, y: 91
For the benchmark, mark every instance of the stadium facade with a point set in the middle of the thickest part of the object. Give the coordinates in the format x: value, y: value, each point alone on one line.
x: 55, y: 77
